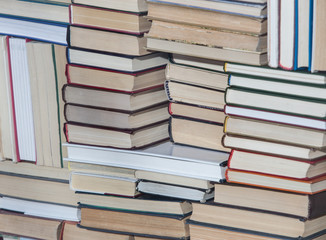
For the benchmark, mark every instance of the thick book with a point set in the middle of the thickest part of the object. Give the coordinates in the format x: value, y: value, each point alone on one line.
x: 274, y: 148
x: 163, y: 158
x: 214, y: 53
x: 33, y: 227
x: 131, y: 223
x: 278, y: 166
x: 306, y: 186
x: 207, y: 36
x: 293, y: 76
x: 229, y: 7
x: 112, y: 99
x: 197, y: 133
x: 116, y: 137
x: 143, y: 203
x: 257, y: 221
x: 281, y: 202
x: 107, y: 41
x: 103, y: 184
x: 108, y: 19
x: 203, y: 18
x: 275, y: 117
x: 125, y: 63
x: 115, y: 118
x: 70, y: 230
x: 179, y: 91
x: 195, y: 112
x: 175, y: 191
x: 40, y: 31
x: 196, y: 76
x: 38, y: 11
x: 111, y: 79
x: 274, y: 132
x: 271, y: 101
x: 129, y: 5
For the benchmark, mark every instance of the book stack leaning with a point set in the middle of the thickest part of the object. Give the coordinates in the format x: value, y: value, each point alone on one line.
x: 35, y: 196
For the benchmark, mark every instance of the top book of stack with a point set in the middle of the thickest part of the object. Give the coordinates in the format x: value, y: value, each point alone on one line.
x: 221, y: 30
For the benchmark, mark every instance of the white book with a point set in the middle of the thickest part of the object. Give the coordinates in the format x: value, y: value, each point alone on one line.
x: 164, y: 158
x: 39, y: 209
x: 273, y: 32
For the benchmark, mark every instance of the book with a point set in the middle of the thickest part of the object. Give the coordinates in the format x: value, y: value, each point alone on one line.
x: 112, y: 99
x: 204, y: 63
x: 8, y: 145
x: 115, y: 137
x: 273, y: 33
x: 196, y: 133
x: 183, y: 92
x: 307, y: 186
x: 45, y: 88
x: 194, y: 112
x: 167, y: 190
x: 270, y: 101
x: 260, y: 222
x: 286, y: 34
x: 278, y: 166
x: 218, y: 232
x: 108, y: 19
x: 144, y: 203
x: 42, y: 189
x: 206, y: 36
x: 72, y: 231
x: 173, y: 179
x: 100, y: 170
x: 204, y: 18
x: 28, y: 226
x: 222, y: 54
x: 268, y: 131
x: 273, y: 85
x: 163, y: 158
x: 40, y: 31
x: 301, y: 205
x: 318, y: 37
x: 196, y: 76
x: 116, y: 119
x: 274, y: 148
x: 129, y: 6
x: 106, y: 41
x: 302, y: 33
x: 39, y: 209
x: 116, y: 62
x: 295, y: 76
x: 230, y: 7
x: 103, y: 184
x: 275, y: 117
x: 127, y: 222
x: 22, y: 108
x: 103, y: 78
x: 39, y: 11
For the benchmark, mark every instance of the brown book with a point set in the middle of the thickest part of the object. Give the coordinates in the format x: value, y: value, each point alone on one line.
x: 206, y: 18
x: 258, y: 222
x: 115, y: 137
x: 113, y: 99
x: 302, y: 205
x: 207, y: 36
x: 27, y: 226
x: 105, y: 41
x: 131, y: 223
x: 196, y: 133
x: 107, y: 19
x: 72, y: 232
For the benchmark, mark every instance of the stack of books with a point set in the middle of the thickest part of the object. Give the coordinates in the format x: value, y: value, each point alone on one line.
x: 220, y: 30
x: 275, y: 129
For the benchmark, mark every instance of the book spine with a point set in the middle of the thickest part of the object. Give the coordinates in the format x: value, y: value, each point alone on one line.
x: 311, y: 26
x: 170, y: 130
x: 296, y: 34
x: 230, y: 158
x: 167, y: 90
x: 170, y: 108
